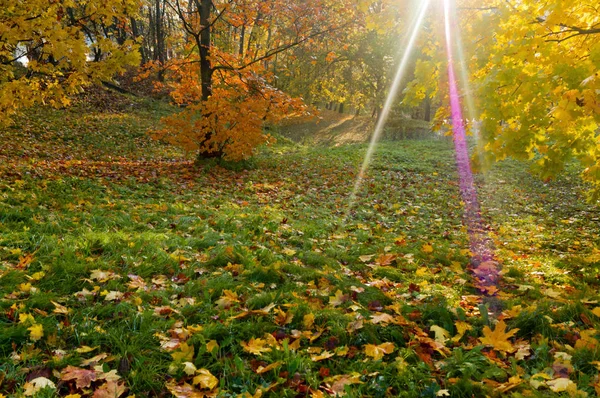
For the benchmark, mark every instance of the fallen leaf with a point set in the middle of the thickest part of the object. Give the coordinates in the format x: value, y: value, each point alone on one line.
x: 83, y: 377
x: 366, y: 258
x: 378, y: 351
x: 94, y: 359
x: 205, y: 379
x: 561, y: 384
x: 110, y: 389
x: 340, y: 382
x: 337, y: 299
x: 84, y: 349
x: 113, y: 295
x: 183, y: 391
x: 498, y: 338
x: 382, y: 317
x: 60, y: 309
x: 461, y: 328
x: 265, y: 369
x: 212, y: 345
x: 441, y: 334
x: 36, y: 332
x: 427, y: 248
x: 185, y: 353
x: 308, y: 321
x: 189, y: 368
x: 385, y: 259
x: 228, y: 299
x: 322, y: 356
x: 289, y: 252
x: 39, y: 383
x: 255, y: 346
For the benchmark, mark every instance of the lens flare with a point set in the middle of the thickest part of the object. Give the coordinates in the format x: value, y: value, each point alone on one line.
x: 481, y: 247
x: 385, y: 111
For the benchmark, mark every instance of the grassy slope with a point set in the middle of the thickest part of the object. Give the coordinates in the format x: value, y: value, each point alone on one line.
x: 188, y: 252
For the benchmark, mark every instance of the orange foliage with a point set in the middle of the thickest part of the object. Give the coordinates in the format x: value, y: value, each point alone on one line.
x: 230, y: 123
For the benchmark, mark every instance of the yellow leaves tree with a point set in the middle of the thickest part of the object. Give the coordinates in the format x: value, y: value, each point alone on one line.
x: 534, y: 70
x: 51, y: 50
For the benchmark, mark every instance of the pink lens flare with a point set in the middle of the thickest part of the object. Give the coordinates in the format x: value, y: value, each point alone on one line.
x: 484, y: 267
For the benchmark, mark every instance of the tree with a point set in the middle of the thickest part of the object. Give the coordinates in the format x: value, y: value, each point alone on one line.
x: 534, y: 68
x: 50, y: 50
x: 224, y: 78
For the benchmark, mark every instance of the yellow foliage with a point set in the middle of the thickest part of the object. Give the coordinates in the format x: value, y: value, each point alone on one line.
x: 36, y: 332
x: 38, y: 37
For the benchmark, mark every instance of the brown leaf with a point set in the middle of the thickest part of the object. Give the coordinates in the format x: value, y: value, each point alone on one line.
x: 83, y: 377
x: 111, y: 389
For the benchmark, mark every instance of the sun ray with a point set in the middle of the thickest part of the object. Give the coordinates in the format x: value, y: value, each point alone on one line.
x: 408, y: 46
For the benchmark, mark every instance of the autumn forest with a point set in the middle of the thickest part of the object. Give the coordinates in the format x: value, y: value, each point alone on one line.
x: 276, y: 198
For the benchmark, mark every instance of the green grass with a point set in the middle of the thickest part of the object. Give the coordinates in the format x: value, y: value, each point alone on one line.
x: 89, y: 192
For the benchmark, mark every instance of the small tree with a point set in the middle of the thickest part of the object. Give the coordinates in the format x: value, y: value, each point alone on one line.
x: 223, y: 77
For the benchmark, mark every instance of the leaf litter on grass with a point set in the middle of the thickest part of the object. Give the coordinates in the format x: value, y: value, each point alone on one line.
x: 249, y: 282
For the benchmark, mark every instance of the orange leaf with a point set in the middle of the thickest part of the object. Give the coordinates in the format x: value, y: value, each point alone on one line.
x: 498, y: 338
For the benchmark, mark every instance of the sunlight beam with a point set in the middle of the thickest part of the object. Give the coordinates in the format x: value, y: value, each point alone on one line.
x: 408, y: 46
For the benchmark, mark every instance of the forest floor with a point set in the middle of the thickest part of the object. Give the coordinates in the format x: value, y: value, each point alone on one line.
x: 128, y: 270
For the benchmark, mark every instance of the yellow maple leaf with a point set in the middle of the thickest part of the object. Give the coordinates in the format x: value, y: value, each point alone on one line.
x: 308, y: 321
x: 441, y: 334
x: 255, y: 346
x: 378, y: 351
x: 596, y: 311
x: 185, y: 353
x: 228, y: 299
x: 261, y: 369
x: 337, y: 299
x: 205, y: 379
x: 461, y: 328
x: 427, y: 248
x: 189, y: 368
x: 561, y: 384
x: 26, y: 318
x: 212, y: 345
x: 587, y: 340
x: 322, y: 356
x: 36, y: 332
x: 498, y: 338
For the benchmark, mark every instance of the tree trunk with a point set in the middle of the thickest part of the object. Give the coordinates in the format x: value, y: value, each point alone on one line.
x: 341, y: 108
x: 242, y: 38
x: 136, y: 33
x: 206, y: 70
x: 159, y: 49
x: 427, y: 113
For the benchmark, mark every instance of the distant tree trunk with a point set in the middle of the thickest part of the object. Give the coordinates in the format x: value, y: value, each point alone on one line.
x: 159, y: 35
x: 341, y: 108
x: 427, y: 113
x: 136, y: 33
x: 206, y: 70
x: 242, y: 38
